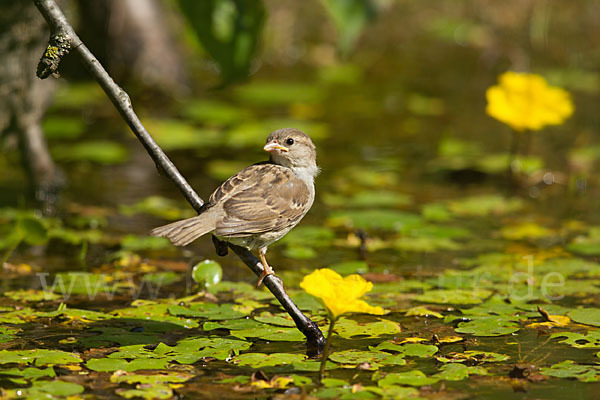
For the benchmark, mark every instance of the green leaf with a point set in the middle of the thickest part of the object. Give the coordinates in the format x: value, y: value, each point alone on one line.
x: 471, y: 357
x: 458, y: 372
x: 270, y: 93
x: 32, y: 230
x: 587, y: 316
x: 485, y: 205
x: 214, y: 113
x: 408, y: 349
x: 139, y: 243
x: 63, y: 127
x: 209, y: 310
x: 207, y: 273
x: 172, y: 134
x: 349, y: 328
x: 38, y: 357
x: 350, y: 267
x: 162, y: 377
x: 270, y: 333
x: 374, y: 219
x: 590, y: 339
x: 488, y: 326
x: 412, y: 378
x: 46, y: 390
x: 457, y: 296
x: 260, y: 360
x: 229, y: 31
x: 350, y: 18
x: 280, y: 319
x: 367, y: 199
x: 569, y: 369
x: 158, y: 206
x: 369, y: 359
x: 101, y: 152
x: 111, y: 364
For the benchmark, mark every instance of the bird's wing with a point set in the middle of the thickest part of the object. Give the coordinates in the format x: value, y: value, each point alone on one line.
x: 259, y: 199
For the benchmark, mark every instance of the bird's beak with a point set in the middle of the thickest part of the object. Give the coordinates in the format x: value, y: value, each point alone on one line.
x: 272, y: 146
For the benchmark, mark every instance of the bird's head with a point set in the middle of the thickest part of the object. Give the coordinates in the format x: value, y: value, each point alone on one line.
x: 291, y: 148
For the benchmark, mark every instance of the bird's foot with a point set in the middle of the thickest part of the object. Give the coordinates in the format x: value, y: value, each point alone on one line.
x: 266, y: 272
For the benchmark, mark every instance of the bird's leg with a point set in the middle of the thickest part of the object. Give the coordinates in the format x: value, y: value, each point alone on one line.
x: 267, y: 270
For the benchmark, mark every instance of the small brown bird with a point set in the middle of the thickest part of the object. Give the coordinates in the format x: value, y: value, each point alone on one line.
x: 261, y: 203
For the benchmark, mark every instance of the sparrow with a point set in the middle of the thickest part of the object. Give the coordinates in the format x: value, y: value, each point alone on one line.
x: 261, y: 203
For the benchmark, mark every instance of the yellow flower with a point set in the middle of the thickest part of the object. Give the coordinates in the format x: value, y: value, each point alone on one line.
x: 340, y: 295
x: 526, y: 101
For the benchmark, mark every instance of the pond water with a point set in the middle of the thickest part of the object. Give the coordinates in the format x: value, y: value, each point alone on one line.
x: 491, y: 284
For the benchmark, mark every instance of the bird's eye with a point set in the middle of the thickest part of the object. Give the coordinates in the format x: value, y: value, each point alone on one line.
x: 289, y: 141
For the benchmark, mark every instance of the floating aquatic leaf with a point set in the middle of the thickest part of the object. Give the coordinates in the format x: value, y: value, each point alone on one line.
x: 457, y: 296
x: 587, y: 316
x: 408, y: 349
x: 280, y: 319
x: 472, y: 356
x: 213, y: 112
x: 101, y: 152
x: 234, y: 324
x: 367, y: 199
x: 413, y: 378
x: 45, y: 390
x: 21, y: 376
x: 527, y: 230
x: 279, y: 93
x: 346, y: 327
x: 374, y: 219
x: 586, y: 245
x: 485, y: 205
x: 260, y: 360
x: 172, y: 134
x: 488, y: 326
x: 162, y: 377
x: 111, y: 364
x: 436, y: 212
x: 422, y: 311
x: 7, y: 334
x: 38, y: 357
x: 310, y: 236
x: 270, y: 333
x: 147, y: 391
x: 207, y: 273
x: 156, y: 312
x: 63, y: 127
x: 300, y: 252
x: 569, y: 369
x: 458, y: 372
x: 31, y: 295
x: 367, y: 359
x: 209, y: 310
x: 350, y: 267
x: 139, y: 243
x: 590, y: 339
x: 158, y: 206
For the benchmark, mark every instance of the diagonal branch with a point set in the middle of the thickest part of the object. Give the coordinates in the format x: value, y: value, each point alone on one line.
x: 64, y: 39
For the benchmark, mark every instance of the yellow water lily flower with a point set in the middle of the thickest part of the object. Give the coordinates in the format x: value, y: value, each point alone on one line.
x: 526, y: 101
x: 340, y: 295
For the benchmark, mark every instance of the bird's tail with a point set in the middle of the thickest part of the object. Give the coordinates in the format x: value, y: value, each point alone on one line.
x: 183, y: 232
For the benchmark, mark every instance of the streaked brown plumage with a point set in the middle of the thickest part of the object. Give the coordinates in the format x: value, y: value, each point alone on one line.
x: 260, y: 204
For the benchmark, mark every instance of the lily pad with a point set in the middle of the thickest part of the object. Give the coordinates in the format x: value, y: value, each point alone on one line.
x: 368, y: 359
x: 413, y: 378
x: 374, y: 219
x: 101, y: 152
x: 457, y: 296
x: 349, y: 328
x: 472, y: 357
x: 38, y: 357
x: 587, y: 316
x: 260, y: 360
x: 579, y: 340
x: 570, y: 369
x: 488, y: 326
x: 209, y: 310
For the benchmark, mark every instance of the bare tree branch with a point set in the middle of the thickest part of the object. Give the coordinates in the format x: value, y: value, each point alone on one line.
x: 62, y: 39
